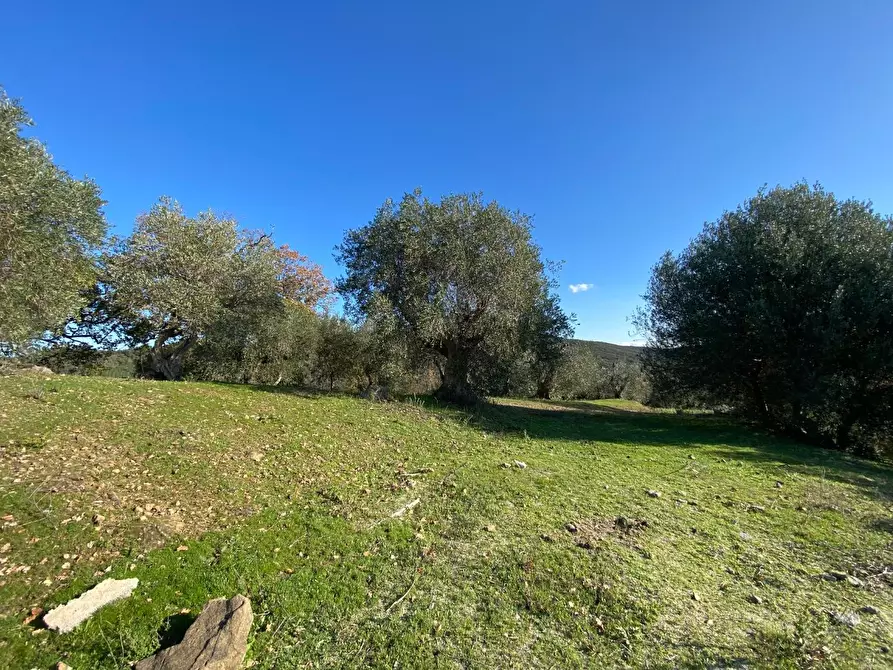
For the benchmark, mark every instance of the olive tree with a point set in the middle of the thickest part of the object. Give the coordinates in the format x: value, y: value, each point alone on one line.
x: 782, y: 307
x: 51, y: 228
x: 460, y: 277
x: 177, y: 278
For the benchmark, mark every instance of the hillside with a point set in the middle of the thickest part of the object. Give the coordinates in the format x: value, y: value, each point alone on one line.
x: 546, y: 534
x: 608, y: 352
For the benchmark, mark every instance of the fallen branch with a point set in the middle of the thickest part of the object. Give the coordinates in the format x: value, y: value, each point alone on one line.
x: 401, y: 598
x: 408, y: 506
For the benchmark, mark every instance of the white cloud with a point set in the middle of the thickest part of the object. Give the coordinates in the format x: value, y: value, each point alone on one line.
x: 576, y: 288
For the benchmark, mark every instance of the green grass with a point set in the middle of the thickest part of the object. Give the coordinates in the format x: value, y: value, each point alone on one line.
x: 288, y: 498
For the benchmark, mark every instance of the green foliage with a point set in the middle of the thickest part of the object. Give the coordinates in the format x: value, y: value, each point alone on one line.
x: 276, y: 347
x: 784, y: 308
x: 583, y: 374
x: 337, y: 356
x: 176, y: 278
x: 51, y: 227
x: 460, y: 277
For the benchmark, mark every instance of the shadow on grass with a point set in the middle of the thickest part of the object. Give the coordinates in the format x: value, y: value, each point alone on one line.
x: 586, y: 422
x: 721, y: 435
x: 173, y: 630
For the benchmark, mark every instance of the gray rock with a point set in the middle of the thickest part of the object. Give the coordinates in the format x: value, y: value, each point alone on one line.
x: 653, y: 494
x: 520, y: 464
x: 869, y: 609
x: 850, y: 619
x: 70, y: 615
x: 216, y: 640
x: 853, y: 581
x: 755, y: 599
x: 36, y: 370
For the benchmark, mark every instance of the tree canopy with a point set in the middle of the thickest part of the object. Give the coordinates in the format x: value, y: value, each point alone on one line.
x: 460, y: 277
x: 783, y: 307
x: 175, y: 278
x: 51, y: 229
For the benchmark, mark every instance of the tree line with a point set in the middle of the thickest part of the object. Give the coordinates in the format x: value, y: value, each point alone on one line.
x: 781, y: 309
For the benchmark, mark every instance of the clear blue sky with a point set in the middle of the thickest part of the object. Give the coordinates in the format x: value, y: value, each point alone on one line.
x: 622, y: 126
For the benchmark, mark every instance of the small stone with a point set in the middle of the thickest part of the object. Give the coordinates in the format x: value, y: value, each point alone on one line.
x: 520, y: 464
x: 546, y: 538
x: 33, y: 615
x: 256, y: 456
x: 853, y: 581
x: 755, y: 599
x: 653, y: 494
x: 182, y: 547
x: 218, y: 639
x: 691, y: 457
x: 570, y: 527
x: 755, y: 508
x: 850, y: 619
x: 62, y: 666
x: 744, y: 536
x: 695, y: 597
x: 74, y: 612
x: 778, y: 485
x: 98, y: 519
x: 506, y: 465
x: 869, y: 609
x: 490, y: 528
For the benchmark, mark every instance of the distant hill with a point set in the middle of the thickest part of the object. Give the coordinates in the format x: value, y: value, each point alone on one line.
x: 608, y: 352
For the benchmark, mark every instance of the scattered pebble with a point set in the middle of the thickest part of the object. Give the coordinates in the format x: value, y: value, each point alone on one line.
x: 744, y: 536
x: 546, y: 537
x: 755, y: 599
x: 755, y: 508
x: 778, y: 485
x: 570, y: 527
x: 869, y: 609
x: 850, y: 619
x: 490, y: 528
x: 653, y: 494
x: 520, y: 464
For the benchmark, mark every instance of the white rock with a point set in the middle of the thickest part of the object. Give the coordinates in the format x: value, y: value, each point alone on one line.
x: 70, y: 615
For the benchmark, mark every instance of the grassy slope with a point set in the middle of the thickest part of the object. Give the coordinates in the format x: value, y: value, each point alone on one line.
x: 287, y: 499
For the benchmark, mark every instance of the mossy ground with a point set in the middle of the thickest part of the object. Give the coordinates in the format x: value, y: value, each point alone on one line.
x: 204, y: 490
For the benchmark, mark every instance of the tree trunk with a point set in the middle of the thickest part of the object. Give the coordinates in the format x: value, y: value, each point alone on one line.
x: 454, y: 386
x: 167, y: 362
x: 544, y: 389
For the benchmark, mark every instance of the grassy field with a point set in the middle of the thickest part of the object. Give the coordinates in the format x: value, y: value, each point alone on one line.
x: 572, y: 560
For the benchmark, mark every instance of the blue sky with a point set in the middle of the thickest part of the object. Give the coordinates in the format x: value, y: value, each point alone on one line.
x: 621, y: 126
